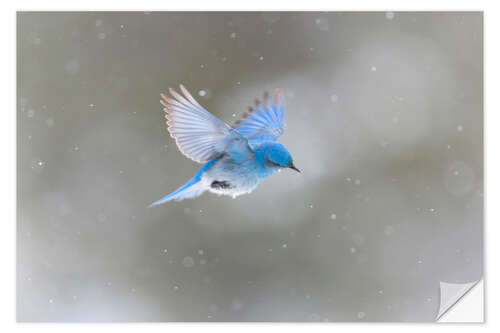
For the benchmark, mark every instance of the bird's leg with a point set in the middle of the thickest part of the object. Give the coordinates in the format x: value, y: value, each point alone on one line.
x: 224, y: 185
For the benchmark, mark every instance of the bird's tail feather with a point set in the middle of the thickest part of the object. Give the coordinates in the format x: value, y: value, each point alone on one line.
x: 191, y: 189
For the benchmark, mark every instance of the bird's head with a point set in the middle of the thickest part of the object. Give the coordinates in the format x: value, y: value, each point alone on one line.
x: 276, y: 155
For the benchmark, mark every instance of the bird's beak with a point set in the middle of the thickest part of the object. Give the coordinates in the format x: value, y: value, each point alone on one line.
x: 293, y: 167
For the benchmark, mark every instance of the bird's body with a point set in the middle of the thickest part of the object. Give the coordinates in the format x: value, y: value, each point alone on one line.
x: 235, y: 176
x: 228, y: 177
x: 236, y: 158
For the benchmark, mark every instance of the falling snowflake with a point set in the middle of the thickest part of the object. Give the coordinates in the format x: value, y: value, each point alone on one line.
x: 188, y: 262
x: 389, y: 15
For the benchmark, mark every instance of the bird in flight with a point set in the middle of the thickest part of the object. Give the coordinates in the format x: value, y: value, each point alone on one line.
x: 235, y: 158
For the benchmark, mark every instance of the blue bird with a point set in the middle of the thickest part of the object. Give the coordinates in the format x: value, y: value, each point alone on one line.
x: 236, y: 159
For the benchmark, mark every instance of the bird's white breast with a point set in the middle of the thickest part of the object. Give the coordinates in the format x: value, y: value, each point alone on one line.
x: 242, y: 179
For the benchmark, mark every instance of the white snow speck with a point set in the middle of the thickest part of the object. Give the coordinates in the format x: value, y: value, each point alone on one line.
x: 389, y: 15
x: 357, y: 182
x: 459, y: 178
x: 202, y: 93
x: 102, y: 217
x: 361, y: 315
x: 284, y: 246
x: 322, y: 24
x: 30, y: 113
x: 101, y: 35
x: 460, y: 128
x: 358, y: 239
x: 236, y: 305
x: 373, y: 69
x: 49, y: 122
x: 362, y: 258
x: 388, y: 230
x: 313, y: 317
x: 188, y: 262
x: 333, y: 216
x: 98, y: 23
x: 261, y: 58
x: 334, y: 98
x: 232, y: 35
x: 270, y: 17
x: 72, y: 67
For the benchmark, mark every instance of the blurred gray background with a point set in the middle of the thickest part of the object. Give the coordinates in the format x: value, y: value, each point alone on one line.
x: 384, y: 118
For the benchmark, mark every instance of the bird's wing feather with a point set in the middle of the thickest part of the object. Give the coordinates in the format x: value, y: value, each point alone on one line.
x: 200, y: 135
x: 264, y: 121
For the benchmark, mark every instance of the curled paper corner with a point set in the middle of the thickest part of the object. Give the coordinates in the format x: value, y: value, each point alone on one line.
x: 451, y: 293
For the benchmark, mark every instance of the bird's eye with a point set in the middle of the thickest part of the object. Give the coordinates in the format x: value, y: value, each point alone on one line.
x: 271, y: 163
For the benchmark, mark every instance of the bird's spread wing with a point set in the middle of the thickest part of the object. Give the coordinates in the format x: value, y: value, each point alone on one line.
x: 200, y: 135
x: 264, y: 121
